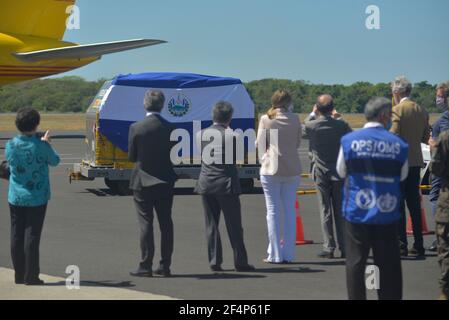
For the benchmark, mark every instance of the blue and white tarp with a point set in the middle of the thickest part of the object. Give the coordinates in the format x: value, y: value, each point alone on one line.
x: 189, y: 98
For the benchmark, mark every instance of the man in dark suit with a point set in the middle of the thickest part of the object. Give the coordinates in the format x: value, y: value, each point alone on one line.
x: 324, y: 133
x: 220, y: 190
x: 152, y: 181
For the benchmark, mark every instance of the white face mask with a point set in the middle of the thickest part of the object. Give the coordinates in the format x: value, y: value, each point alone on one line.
x: 441, y: 104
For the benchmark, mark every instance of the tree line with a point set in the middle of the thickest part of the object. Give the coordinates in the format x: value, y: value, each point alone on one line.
x: 74, y: 94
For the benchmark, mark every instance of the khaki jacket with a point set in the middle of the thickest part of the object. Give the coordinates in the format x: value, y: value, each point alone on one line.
x: 282, y: 155
x: 411, y: 123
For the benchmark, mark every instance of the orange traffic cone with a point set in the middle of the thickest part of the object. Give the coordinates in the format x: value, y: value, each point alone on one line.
x: 425, y: 229
x: 300, y: 240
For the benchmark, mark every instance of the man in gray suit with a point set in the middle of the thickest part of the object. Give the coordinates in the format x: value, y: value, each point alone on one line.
x: 219, y: 187
x: 324, y: 134
x: 152, y: 181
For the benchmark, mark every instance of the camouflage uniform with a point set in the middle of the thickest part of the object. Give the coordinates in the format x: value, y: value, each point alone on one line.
x: 440, y: 168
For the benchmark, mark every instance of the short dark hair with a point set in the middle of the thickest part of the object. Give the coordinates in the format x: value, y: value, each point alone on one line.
x: 27, y: 119
x: 377, y: 106
x: 154, y: 100
x: 222, y: 112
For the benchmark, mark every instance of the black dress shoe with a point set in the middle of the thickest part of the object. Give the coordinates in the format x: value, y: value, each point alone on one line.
x: 163, y: 272
x: 420, y: 253
x: 141, y: 274
x: 247, y: 268
x: 19, y: 280
x: 433, y: 247
x: 326, y: 255
x: 404, y: 253
x: 35, y: 282
x: 216, y: 268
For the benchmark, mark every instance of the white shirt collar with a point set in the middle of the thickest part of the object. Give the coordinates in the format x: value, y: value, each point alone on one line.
x: 373, y: 124
x: 404, y: 99
x: 151, y: 113
x: 219, y: 124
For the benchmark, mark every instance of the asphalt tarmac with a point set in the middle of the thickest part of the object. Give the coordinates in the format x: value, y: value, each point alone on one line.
x: 97, y: 231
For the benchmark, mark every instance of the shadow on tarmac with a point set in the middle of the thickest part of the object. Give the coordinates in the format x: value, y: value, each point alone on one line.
x: 256, y: 274
x: 178, y: 192
x: 106, y: 284
x: 289, y: 270
x: 326, y: 263
x: 250, y: 275
x: 412, y: 258
x: 103, y: 193
x: 217, y: 276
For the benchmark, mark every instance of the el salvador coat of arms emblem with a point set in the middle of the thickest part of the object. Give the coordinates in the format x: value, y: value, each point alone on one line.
x: 179, y: 105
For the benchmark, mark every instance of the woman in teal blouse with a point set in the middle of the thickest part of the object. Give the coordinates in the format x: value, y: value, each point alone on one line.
x: 28, y: 157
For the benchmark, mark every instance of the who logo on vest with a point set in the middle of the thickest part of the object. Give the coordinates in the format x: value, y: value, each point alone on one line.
x: 374, y: 159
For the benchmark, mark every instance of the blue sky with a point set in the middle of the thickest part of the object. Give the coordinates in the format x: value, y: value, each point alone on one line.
x: 320, y: 41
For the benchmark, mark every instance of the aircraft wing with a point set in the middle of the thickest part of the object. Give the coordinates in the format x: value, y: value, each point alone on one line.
x: 86, y: 51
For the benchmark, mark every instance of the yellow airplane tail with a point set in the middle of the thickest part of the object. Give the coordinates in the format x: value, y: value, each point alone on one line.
x: 40, y: 18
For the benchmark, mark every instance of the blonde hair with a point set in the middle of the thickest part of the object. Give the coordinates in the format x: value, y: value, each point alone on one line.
x: 281, y: 99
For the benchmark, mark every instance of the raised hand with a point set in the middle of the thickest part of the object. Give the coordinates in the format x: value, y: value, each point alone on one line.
x: 46, y: 137
x: 336, y: 114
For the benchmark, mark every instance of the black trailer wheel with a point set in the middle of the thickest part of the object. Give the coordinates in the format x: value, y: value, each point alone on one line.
x: 119, y: 187
x: 111, y: 184
x: 247, y: 185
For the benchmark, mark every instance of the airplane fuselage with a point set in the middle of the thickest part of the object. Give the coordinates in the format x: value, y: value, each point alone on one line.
x: 13, y: 69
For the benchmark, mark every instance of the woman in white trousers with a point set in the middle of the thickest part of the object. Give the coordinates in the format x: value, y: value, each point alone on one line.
x: 278, y: 141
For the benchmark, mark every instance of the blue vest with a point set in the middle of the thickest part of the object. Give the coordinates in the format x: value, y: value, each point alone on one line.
x: 374, y: 160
